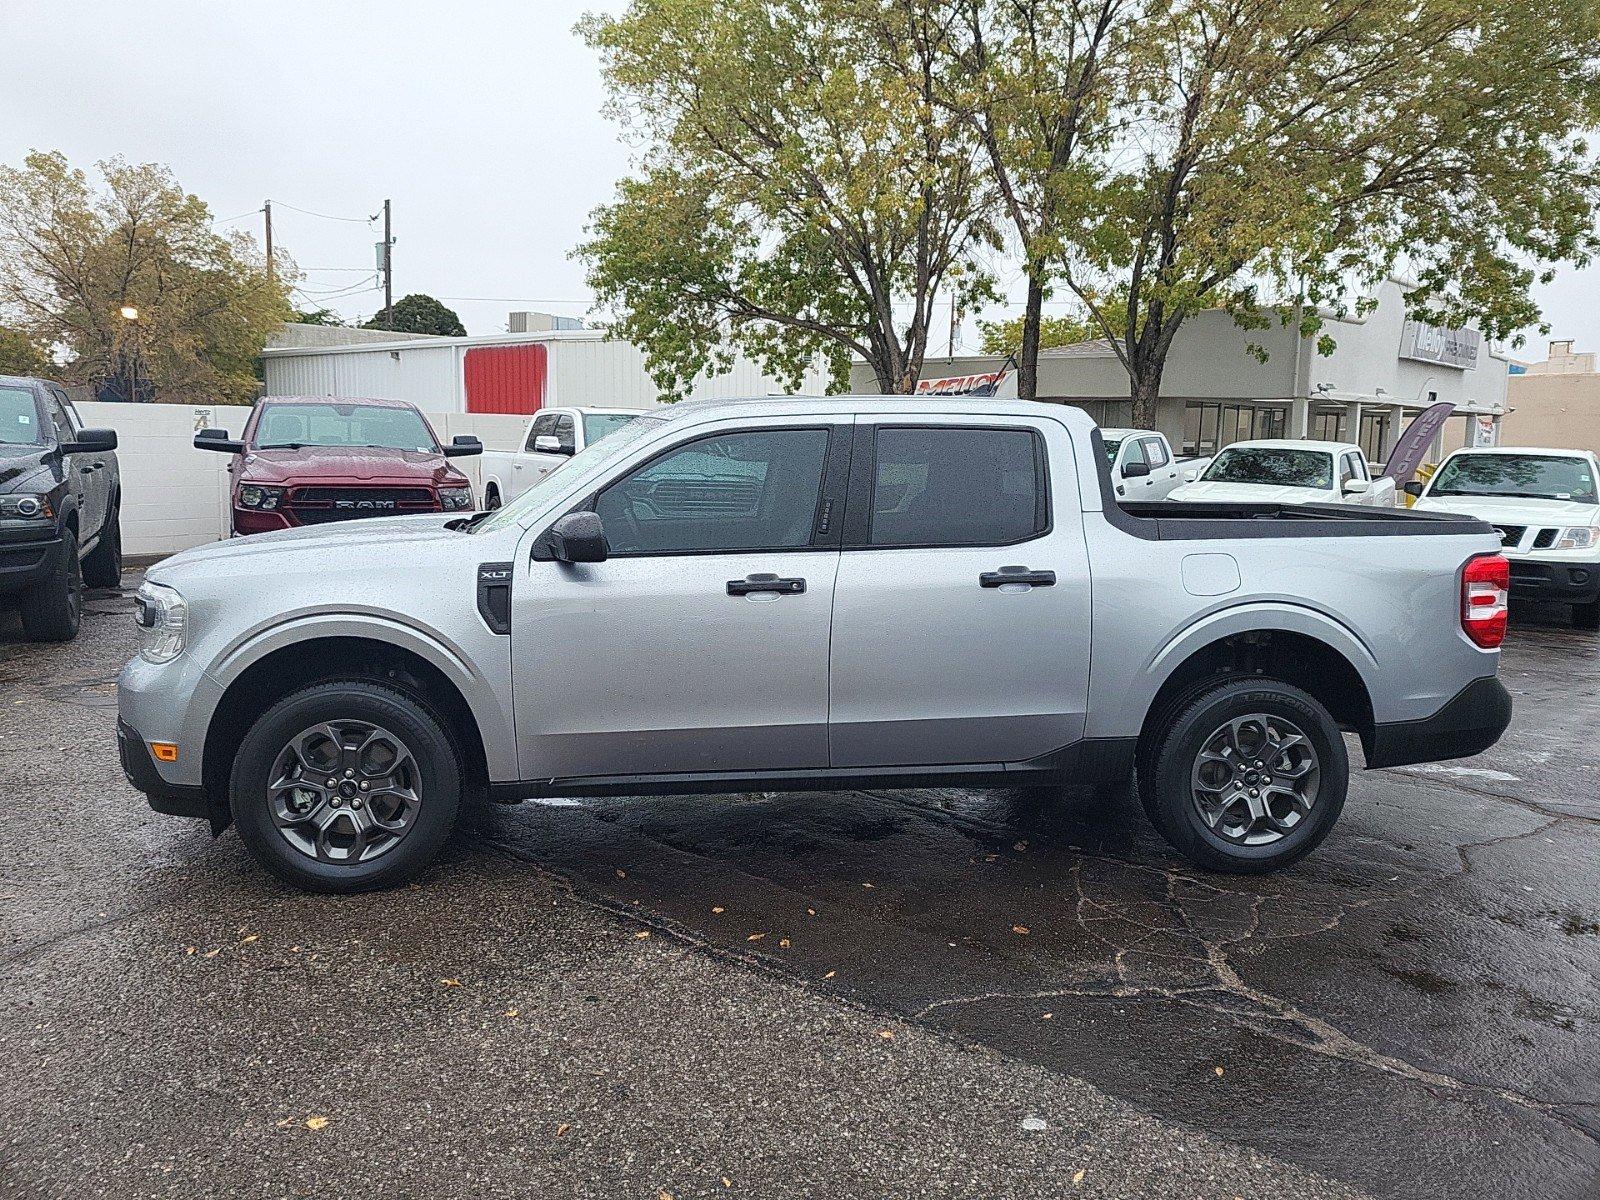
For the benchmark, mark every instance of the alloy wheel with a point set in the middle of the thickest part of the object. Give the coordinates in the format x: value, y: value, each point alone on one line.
x: 344, y: 792
x: 1255, y: 779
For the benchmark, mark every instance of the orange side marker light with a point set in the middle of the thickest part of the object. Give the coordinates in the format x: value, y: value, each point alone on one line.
x: 164, y: 751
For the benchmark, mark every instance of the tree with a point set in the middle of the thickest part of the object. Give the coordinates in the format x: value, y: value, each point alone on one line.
x: 417, y: 313
x: 801, y: 189
x: 1037, y: 80
x: 20, y: 356
x: 198, y: 305
x: 1005, y: 337
x: 1275, y: 156
x: 315, y: 316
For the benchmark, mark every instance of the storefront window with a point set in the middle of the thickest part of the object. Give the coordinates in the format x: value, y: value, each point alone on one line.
x: 1207, y: 428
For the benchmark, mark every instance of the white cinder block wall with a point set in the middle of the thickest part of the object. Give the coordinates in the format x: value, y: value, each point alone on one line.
x: 174, y: 496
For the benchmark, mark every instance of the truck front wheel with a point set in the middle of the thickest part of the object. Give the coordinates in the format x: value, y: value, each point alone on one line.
x: 52, y: 609
x: 345, y: 787
x: 1245, y: 776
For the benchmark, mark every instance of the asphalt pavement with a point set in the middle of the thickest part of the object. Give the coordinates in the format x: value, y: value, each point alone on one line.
x: 857, y: 994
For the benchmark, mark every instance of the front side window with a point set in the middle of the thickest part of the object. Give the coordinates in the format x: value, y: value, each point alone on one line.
x: 1536, y: 476
x: 359, y: 426
x: 1275, y: 467
x: 58, y: 418
x: 753, y: 490
x: 544, y: 425
x: 1134, y: 454
x: 957, y: 487
x: 19, y: 417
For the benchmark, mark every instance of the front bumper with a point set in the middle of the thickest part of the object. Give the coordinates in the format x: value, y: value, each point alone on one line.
x: 173, y: 799
x: 1566, y: 582
x: 26, y: 558
x: 1469, y: 724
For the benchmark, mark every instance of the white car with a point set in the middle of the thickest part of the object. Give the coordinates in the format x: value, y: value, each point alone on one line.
x: 1545, y: 505
x: 1284, y: 471
x: 1143, y: 466
x: 553, y: 436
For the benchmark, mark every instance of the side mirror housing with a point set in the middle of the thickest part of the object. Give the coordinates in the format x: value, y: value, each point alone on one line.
x: 1190, y: 476
x: 549, y: 443
x: 1355, y: 487
x: 578, y: 537
x: 91, y: 441
x: 218, y: 440
x: 1412, y: 488
x: 1136, y: 470
x: 463, y: 445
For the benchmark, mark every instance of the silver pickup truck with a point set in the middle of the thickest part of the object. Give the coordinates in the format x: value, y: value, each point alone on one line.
x: 810, y: 593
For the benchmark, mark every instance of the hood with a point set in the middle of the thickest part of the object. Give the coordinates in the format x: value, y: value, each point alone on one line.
x: 1514, y: 510
x: 387, y: 536
x: 1247, y: 493
x: 338, y: 464
x: 17, y: 463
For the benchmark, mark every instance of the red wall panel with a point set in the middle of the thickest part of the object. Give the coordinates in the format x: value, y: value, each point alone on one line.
x: 505, y: 379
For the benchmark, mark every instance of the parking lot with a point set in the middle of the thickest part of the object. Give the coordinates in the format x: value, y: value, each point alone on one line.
x: 871, y: 993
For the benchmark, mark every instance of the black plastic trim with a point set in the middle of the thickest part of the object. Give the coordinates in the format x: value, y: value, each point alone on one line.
x: 1093, y: 760
x: 170, y: 799
x: 1468, y: 724
x: 494, y: 595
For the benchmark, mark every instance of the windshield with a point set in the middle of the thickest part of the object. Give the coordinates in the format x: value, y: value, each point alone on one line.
x: 19, y: 417
x: 1536, y: 476
x: 599, y: 425
x: 1277, y: 468
x: 1112, y: 446
x: 585, y: 461
x: 369, y: 426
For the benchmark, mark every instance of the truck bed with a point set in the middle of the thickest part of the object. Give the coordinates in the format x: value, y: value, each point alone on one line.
x: 1167, y: 521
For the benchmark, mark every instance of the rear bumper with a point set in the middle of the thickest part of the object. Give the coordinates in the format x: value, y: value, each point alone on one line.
x: 26, y: 560
x: 173, y: 799
x: 1469, y: 724
x: 1568, y: 583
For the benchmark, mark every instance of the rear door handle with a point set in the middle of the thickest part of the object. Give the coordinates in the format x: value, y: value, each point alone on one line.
x: 765, y: 583
x: 1005, y: 575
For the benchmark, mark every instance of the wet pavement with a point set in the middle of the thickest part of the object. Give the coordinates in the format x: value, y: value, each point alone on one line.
x: 1412, y: 1011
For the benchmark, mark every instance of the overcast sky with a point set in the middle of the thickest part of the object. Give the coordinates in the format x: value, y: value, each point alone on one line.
x: 480, y: 119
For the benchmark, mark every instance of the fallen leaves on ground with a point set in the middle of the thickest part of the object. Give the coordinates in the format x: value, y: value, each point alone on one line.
x: 450, y: 982
x: 1218, y: 1071
x: 886, y: 1034
x: 717, y: 908
x: 830, y: 974
x: 755, y: 937
x: 621, y: 874
x: 561, y: 1129
x: 783, y: 943
x: 1019, y: 929
x: 512, y: 1012
x: 641, y: 935
x: 1020, y: 847
x: 316, y: 1122
x: 1078, y: 1175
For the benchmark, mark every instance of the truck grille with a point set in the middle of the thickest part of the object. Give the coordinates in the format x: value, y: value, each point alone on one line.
x: 1511, y: 535
x: 318, y: 505
x: 1546, y: 539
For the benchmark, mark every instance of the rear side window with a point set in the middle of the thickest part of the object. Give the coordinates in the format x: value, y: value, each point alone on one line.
x: 957, y: 487
x: 756, y: 490
x: 1156, y: 452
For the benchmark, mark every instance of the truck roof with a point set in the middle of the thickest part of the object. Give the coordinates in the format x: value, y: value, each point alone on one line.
x: 368, y: 401
x: 1293, y: 444
x: 1552, y: 452
x: 1074, y: 418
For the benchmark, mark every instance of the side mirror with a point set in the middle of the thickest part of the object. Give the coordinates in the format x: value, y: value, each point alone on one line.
x: 218, y: 440
x: 1355, y: 487
x: 463, y: 445
x: 578, y: 537
x: 1136, y: 470
x: 91, y: 441
x: 549, y: 443
x: 1190, y: 476
x: 1412, y: 488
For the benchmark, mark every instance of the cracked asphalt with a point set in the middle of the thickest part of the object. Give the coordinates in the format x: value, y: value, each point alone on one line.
x: 870, y: 993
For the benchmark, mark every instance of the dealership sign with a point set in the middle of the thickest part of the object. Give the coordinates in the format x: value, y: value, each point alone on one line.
x: 1447, y: 347
x: 990, y: 383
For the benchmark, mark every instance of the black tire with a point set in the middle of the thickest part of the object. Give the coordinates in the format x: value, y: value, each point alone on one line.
x: 491, y: 498
x: 52, y: 610
x: 103, y: 568
x: 1172, y: 744
x: 439, y: 778
x: 1586, y: 616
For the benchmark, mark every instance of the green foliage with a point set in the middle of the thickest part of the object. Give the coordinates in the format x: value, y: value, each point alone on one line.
x: 801, y: 190
x: 316, y: 316
x: 20, y: 356
x: 417, y: 313
x: 72, y: 255
x: 1004, y: 337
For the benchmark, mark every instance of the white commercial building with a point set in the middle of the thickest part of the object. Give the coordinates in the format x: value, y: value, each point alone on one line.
x: 1225, y: 384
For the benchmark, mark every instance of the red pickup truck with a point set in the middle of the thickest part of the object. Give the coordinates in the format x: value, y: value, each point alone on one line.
x: 306, y: 460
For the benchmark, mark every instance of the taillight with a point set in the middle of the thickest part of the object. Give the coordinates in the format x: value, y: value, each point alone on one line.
x: 1485, y: 589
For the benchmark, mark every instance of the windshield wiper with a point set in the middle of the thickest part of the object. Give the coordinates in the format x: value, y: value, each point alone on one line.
x: 283, y: 446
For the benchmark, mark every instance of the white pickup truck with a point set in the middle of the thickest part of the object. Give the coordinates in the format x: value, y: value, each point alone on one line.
x: 1143, y: 466
x: 1284, y: 471
x: 553, y: 436
x: 1545, y: 506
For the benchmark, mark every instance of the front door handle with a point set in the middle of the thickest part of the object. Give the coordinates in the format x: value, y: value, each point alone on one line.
x: 765, y: 583
x: 1005, y: 575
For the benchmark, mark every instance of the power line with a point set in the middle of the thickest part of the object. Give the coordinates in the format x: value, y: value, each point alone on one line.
x: 240, y: 217
x: 515, y: 300
x: 326, y: 216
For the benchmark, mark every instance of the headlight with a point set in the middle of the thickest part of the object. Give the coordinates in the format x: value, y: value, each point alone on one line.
x: 163, y: 619
x: 455, y: 499
x: 26, y: 506
x: 254, y: 495
x: 1580, y: 537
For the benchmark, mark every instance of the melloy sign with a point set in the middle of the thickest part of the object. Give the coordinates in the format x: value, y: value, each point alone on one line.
x: 1447, y: 347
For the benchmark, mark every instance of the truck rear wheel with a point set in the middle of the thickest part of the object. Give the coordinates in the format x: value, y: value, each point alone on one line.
x: 345, y: 787
x: 52, y: 609
x: 1247, y: 776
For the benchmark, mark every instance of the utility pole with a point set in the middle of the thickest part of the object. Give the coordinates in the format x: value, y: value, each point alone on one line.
x: 266, y: 207
x: 955, y: 319
x: 388, y: 270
